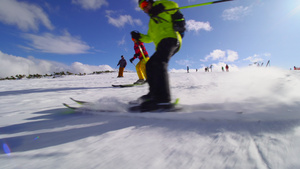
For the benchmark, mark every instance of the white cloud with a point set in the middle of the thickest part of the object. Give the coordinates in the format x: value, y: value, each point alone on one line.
x: 63, y: 44
x: 78, y: 67
x: 24, y: 15
x: 235, y: 13
x: 121, y: 20
x: 122, y: 41
x: 196, y: 26
x: 258, y: 57
x: 12, y: 65
x: 232, y: 56
x: 220, y: 55
x: 90, y: 4
x: 136, y: 3
x: 216, y: 54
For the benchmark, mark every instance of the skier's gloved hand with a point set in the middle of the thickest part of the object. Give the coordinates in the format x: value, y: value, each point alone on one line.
x: 135, y: 35
x: 131, y: 60
x: 155, y: 10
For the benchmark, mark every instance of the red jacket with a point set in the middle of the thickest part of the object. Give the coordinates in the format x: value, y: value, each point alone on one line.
x: 138, y: 53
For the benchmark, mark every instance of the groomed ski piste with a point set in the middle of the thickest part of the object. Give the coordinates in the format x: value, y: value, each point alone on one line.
x: 244, y: 119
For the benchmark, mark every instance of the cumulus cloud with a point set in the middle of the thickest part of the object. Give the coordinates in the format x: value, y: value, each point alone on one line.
x: 90, y: 4
x: 12, y: 65
x: 196, y: 26
x: 122, y: 41
x: 78, y: 67
x: 258, y: 57
x: 136, y: 4
x: 220, y: 55
x: 216, y: 54
x: 235, y: 13
x: 24, y: 15
x: 60, y: 44
x: 232, y: 56
x: 121, y: 20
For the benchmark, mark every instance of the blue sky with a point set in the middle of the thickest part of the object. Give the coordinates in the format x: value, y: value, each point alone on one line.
x: 97, y: 32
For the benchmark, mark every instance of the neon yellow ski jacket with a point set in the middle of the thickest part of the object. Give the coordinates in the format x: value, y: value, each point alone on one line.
x: 161, y: 27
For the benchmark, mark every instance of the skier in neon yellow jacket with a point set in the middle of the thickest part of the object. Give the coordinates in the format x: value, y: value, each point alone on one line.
x: 161, y: 26
x: 167, y: 42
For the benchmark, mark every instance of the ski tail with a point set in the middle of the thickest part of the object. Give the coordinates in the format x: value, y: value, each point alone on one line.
x: 127, y: 85
x: 176, y: 101
x: 70, y: 107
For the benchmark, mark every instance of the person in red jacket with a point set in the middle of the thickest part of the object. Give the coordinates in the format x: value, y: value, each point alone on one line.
x: 142, y: 54
x: 227, y: 68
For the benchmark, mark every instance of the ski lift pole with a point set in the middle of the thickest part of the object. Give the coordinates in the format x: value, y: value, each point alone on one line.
x: 196, y: 5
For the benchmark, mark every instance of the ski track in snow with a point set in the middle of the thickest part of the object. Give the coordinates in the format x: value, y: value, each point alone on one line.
x: 244, y: 119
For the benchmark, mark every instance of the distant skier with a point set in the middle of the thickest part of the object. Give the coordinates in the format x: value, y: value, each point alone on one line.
x: 122, y: 64
x: 142, y: 54
x: 206, y: 69
x: 227, y: 68
x: 296, y: 68
x: 188, y: 69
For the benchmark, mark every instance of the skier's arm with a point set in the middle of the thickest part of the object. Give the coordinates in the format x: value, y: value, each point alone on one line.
x: 145, y: 38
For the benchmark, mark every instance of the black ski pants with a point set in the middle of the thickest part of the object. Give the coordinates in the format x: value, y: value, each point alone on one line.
x: 157, y: 69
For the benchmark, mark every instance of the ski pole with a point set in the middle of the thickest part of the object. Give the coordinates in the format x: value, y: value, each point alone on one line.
x: 142, y: 53
x: 196, y: 5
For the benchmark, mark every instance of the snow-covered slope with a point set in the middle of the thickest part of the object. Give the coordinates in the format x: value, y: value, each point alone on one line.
x: 244, y: 119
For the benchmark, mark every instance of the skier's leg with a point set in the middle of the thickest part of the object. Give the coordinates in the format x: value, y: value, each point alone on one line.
x: 157, y: 70
x: 138, y: 70
x: 143, y: 67
x: 121, y: 70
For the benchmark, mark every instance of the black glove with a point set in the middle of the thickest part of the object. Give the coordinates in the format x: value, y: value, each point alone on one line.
x: 131, y: 60
x: 155, y: 10
x: 135, y: 35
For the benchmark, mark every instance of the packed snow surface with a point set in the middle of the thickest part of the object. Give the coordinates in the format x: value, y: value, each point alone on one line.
x: 244, y: 119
